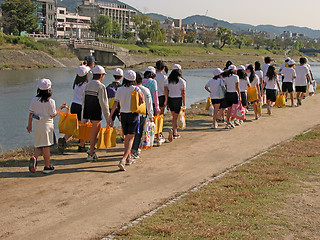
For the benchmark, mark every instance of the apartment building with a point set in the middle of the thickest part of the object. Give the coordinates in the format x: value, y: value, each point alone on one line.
x: 46, y: 16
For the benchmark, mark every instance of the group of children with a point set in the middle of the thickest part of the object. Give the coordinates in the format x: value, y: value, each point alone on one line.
x: 92, y: 100
x: 229, y: 86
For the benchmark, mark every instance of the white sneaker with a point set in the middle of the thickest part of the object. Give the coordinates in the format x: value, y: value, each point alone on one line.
x: 121, y: 166
x: 92, y: 158
x: 236, y: 122
x: 231, y: 124
x: 130, y: 161
x: 227, y: 126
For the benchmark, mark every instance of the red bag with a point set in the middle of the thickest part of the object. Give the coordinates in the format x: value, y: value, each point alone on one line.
x: 238, y: 111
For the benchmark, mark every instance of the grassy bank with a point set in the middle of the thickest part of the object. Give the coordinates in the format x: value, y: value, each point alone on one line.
x: 261, y: 200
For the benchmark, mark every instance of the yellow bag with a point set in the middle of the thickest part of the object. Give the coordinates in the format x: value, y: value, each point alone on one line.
x: 158, y: 120
x: 181, y: 120
x: 259, y: 108
x: 84, y: 131
x: 252, y: 94
x: 107, y: 138
x: 135, y: 107
x: 111, y: 102
x: 280, y: 101
x: 68, y: 123
x: 208, y: 103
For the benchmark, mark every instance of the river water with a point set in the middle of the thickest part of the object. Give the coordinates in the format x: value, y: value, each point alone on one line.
x: 17, y: 87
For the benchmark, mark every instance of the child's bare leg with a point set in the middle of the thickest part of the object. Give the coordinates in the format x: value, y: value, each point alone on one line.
x: 94, y: 133
x: 46, y: 156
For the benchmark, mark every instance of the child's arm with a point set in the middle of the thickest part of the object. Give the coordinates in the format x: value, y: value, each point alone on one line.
x: 29, y: 127
x: 114, y: 107
x: 59, y: 109
x: 206, y: 88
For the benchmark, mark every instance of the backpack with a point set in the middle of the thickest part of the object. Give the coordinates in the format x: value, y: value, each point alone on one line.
x: 111, y: 91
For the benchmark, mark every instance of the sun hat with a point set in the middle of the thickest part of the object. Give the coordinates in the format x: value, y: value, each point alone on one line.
x: 291, y: 62
x: 44, y: 84
x: 82, y: 71
x: 241, y: 67
x: 89, y: 59
x: 118, y: 72
x: 217, y: 72
x: 287, y: 59
x: 232, y: 67
x: 98, y: 70
x: 130, y: 75
x: 151, y: 69
x: 176, y: 67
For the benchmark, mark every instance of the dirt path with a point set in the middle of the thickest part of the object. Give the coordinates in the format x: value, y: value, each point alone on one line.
x: 88, y: 200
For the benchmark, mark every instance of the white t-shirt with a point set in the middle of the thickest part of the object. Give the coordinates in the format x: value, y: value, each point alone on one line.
x: 43, y: 109
x: 160, y: 79
x: 289, y: 74
x: 243, y: 84
x: 265, y: 68
x: 302, y: 72
x: 175, y: 89
x: 148, y: 100
x: 230, y: 83
x: 271, y: 84
x: 78, y: 93
x: 123, y: 96
x: 259, y: 73
x: 283, y: 65
x: 214, y: 85
x: 255, y: 80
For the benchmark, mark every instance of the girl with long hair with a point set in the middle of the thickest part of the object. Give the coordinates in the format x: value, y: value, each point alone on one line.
x: 271, y: 82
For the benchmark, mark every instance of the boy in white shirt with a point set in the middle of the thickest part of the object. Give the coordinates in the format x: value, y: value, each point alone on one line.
x: 302, y: 80
x: 288, y: 74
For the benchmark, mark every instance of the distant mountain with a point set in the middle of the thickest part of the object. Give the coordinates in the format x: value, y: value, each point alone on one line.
x: 159, y: 17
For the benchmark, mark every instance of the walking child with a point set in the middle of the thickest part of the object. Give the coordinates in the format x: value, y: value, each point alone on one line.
x: 271, y: 82
x: 303, y: 77
x: 289, y: 74
x: 255, y: 82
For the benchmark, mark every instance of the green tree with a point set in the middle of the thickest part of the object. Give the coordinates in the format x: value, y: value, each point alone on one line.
x: 178, y: 35
x: 208, y: 37
x: 225, y: 35
x: 157, y: 33
x: 18, y: 16
x: 190, y: 36
x: 298, y: 45
x: 128, y: 35
x: 103, y: 26
x: 240, y: 41
x: 116, y: 29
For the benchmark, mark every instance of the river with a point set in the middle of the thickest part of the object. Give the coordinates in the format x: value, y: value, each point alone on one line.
x: 17, y: 87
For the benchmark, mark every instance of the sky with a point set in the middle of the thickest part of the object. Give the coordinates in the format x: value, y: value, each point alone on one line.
x: 302, y: 13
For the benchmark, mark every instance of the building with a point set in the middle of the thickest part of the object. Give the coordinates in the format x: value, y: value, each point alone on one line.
x: 46, y: 16
x: 72, y: 25
x: 116, y: 12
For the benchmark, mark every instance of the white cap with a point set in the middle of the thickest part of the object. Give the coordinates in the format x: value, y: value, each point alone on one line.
x: 287, y: 59
x: 217, y: 72
x: 241, y: 67
x: 82, y: 71
x: 151, y: 69
x: 118, y: 72
x: 291, y: 62
x: 98, y: 70
x: 44, y: 84
x: 176, y: 67
x: 130, y: 75
x: 232, y: 67
x: 247, y: 65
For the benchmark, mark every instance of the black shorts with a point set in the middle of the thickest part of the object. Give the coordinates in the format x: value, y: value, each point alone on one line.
x: 175, y: 104
x: 161, y: 101
x: 232, y: 98
x: 92, y: 109
x: 287, y: 86
x: 244, y: 99
x: 129, y: 123
x: 302, y: 89
x: 215, y: 101
x: 76, y: 109
x: 271, y: 94
x: 223, y: 103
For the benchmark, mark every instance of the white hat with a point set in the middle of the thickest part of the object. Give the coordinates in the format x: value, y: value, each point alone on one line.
x: 291, y: 62
x: 130, y: 75
x: 217, y: 72
x: 44, y: 84
x: 82, y: 71
x: 176, y: 67
x: 232, y: 67
x: 98, y: 70
x: 287, y: 59
x: 118, y: 72
x: 247, y: 65
x: 151, y: 69
x: 241, y: 67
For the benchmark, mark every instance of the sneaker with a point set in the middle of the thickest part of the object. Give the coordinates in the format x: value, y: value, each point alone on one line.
x: 214, y: 126
x: 299, y: 102
x: 33, y: 164
x: 135, y: 155
x: 236, y: 122
x: 138, y: 152
x: 176, y: 136
x: 257, y: 117
x: 121, y: 166
x: 162, y: 140
x: 92, y: 158
x: 269, y: 110
x: 49, y: 169
x: 157, y: 143
x: 61, y: 145
x: 170, y: 137
x: 240, y: 121
x: 227, y: 126
x: 220, y: 119
x: 82, y: 149
x: 130, y: 161
x: 231, y: 124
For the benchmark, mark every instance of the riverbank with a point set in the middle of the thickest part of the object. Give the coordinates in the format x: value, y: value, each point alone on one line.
x: 81, y: 197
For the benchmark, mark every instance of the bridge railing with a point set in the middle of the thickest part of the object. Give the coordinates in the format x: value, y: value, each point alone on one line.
x: 92, y: 43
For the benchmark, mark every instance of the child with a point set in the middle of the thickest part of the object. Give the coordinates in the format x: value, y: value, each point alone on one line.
x: 175, y: 97
x: 302, y: 80
x: 79, y: 85
x: 213, y: 87
x: 95, y: 103
x: 254, y: 82
x: 129, y: 120
x: 42, y: 111
x: 271, y: 82
x: 112, y: 89
x: 289, y: 74
x: 244, y: 83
